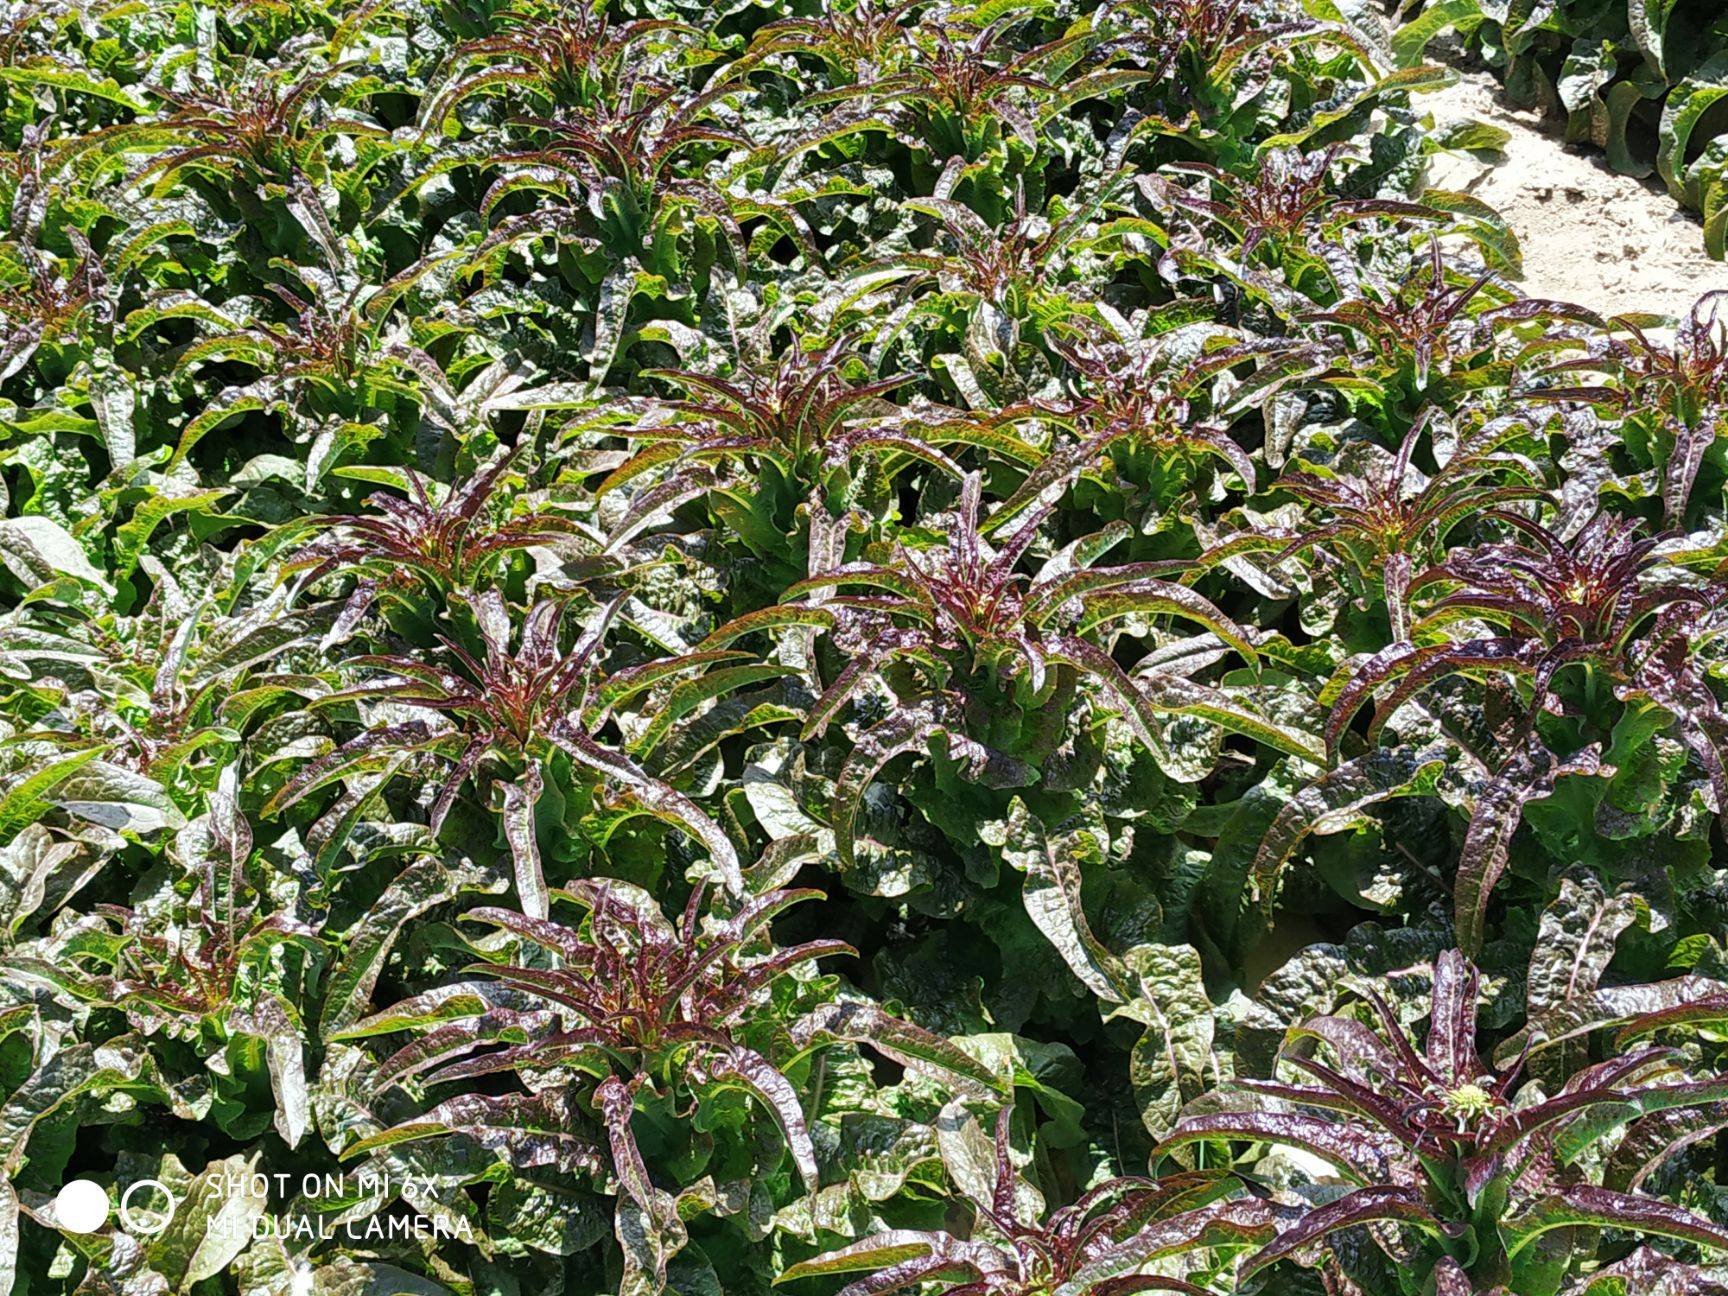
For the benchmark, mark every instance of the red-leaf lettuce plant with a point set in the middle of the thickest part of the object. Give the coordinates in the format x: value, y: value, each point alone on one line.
x: 1599, y: 599
x: 995, y: 655
x: 516, y: 708
x: 1098, y: 1245
x: 1462, y: 1161
x: 652, y: 1021
x: 1669, y: 400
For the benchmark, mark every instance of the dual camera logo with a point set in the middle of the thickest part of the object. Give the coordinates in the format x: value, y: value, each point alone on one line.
x: 146, y: 1207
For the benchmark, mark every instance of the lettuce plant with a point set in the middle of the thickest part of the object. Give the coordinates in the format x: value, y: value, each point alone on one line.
x: 998, y: 647
x: 1387, y: 519
x: 1668, y: 396
x: 653, y: 1000
x: 268, y: 123
x: 761, y: 444
x: 1453, y: 1153
x: 415, y: 547
x: 516, y: 707
x: 547, y: 56
x: 957, y: 89
x: 1556, y: 604
x: 1098, y: 1245
x: 1288, y: 201
x: 650, y: 1020
x: 622, y: 621
x: 47, y: 301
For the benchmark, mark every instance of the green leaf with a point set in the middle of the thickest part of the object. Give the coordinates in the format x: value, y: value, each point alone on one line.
x: 1686, y: 105
x: 1584, y: 1204
x: 1473, y: 137
x: 426, y: 883
x: 117, y: 798
x: 212, y: 1222
x: 235, y: 401
x: 37, y: 550
x: 1172, y: 694
x: 1487, y: 227
x: 131, y: 537
x: 76, y: 1070
x: 1172, y: 1062
x: 1575, y: 940
x: 276, y: 1022
x: 544, y: 1130
x: 24, y: 799
x: 1055, y: 864
x: 1615, y: 116
x: 51, y: 75
x: 611, y: 310
x: 1530, y: 775
x: 1411, y: 40
x: 545, y: 1217
x: 1334, y: 802
x: 8, y: 1235
x: 968, y: 1153
x: 518, y: 818
x: 1649, y: 22
x: 912, y: 1046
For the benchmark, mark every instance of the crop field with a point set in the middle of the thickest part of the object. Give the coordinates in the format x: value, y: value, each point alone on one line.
x: 845, y: 647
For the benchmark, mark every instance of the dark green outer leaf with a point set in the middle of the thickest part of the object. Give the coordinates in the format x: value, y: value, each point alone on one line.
x: 1528, y: 776
x: 911, y: 1046
x: 1575, y: 941
x: 1649, y: 1142
x: 1614, y: 1005
x: 1364, y: 1206
x: 1172, y: 1062
x: 1347, y: 1146
x: 1234, y: 1223
x: 518, y: 821
x: 426, y: 883
x: 1333, y: 801
x: 1054, y: 865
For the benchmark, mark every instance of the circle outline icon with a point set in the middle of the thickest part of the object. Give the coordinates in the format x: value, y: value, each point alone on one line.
x: 129, y: 1218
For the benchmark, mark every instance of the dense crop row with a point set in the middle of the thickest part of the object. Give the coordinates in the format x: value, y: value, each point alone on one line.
x: 877, y: 647
x: 1646, y: 81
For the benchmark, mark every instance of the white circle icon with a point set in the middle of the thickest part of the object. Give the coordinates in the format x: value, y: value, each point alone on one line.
x: 81, y: 1206
x: 145, y: 1219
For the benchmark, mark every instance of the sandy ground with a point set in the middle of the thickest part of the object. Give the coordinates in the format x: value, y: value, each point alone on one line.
x: 1589, y: 236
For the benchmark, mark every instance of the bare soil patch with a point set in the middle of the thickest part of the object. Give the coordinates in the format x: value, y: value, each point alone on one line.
x: 1589, y: 235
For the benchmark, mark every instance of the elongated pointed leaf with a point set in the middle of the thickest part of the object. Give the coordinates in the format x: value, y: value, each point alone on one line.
x: 1529, y: 776
x: 1238, y: 1222
x: 774, y: 1091
x: 888, y: 1250
x: 1603, y: 1208
x: 1575, y: 941
x: 541, y: 1129
x: 1364, y: 1206
x: 911, y: 1046
x: 658, y: 798
x: 1054, y: 865
x: 424, y: 884
x: 1172, y: 1062
x: 519, y: 802
x: 1334, y: 801
x: 1648, y: 1004
x: 1342, y: 1144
